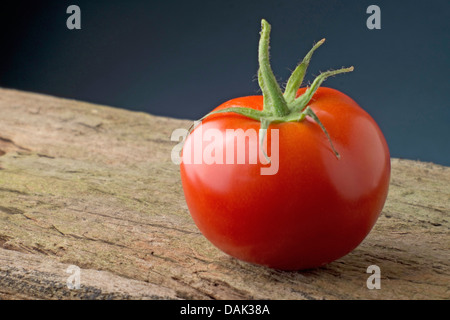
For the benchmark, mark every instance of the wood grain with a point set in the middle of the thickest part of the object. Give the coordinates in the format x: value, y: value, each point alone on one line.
x: 94, y: 186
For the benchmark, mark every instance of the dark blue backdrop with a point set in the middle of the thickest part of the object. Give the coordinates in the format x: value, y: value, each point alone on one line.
x: 183, y: 58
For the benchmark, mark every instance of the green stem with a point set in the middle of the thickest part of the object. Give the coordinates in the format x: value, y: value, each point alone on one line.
x: 279, y: 108
x: 274, y: 102
x: 296, y: 78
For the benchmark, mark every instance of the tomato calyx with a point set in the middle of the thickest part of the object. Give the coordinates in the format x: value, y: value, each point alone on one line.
x: 278, y: 106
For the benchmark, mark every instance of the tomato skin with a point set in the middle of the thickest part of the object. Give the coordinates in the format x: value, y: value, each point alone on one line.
x: 315, y: 209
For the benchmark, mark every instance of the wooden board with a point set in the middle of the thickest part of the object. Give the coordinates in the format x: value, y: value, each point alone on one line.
x: 94, y: 187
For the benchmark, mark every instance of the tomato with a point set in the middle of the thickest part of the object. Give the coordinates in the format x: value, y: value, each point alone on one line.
x: 329, y: 188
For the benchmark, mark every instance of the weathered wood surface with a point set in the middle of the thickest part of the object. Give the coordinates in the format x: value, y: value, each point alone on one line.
x: 93, y: 186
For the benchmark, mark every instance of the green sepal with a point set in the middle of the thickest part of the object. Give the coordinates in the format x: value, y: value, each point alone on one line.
x: 309, y: 112
x: 274, y: 102
x: 300, y: 103
x: 296, y: 78
x: 264, y: 126
x: 247, y: 112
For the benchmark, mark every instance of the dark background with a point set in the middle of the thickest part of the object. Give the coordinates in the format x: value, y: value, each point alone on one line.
x: 183, y: 58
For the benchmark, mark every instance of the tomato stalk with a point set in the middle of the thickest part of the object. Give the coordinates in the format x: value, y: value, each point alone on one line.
x: 278, y: 106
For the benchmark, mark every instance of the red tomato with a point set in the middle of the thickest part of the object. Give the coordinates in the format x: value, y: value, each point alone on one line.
x: 316, y: 208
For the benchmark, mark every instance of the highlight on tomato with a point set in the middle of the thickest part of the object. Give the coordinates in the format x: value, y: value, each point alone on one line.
x: 330, y: 184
